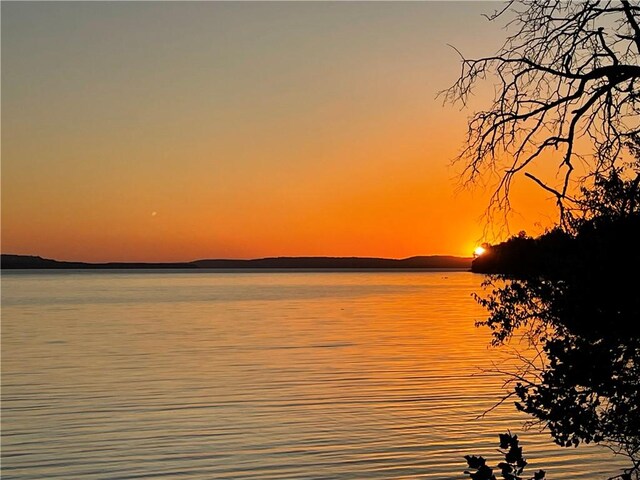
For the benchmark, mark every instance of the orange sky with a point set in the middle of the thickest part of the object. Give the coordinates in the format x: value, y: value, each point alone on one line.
x: 165, y: 131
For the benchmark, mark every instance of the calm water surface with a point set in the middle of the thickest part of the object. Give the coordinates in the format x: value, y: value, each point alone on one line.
x: 254, y: 376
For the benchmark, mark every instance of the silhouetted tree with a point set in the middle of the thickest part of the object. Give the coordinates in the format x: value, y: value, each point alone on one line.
x: 568, y: 71
x: 583, y: 384
x: 567, y: 89
x: 574, y: 295
x: 613, y: 197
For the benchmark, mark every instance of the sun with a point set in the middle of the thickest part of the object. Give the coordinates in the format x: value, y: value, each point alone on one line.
x: 479, y: 251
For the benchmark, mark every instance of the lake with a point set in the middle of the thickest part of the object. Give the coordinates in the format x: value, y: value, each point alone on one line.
x: 255, y: 375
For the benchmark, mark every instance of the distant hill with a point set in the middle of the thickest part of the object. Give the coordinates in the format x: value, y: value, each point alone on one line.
x: 433, y: 261
x: 34, y: 262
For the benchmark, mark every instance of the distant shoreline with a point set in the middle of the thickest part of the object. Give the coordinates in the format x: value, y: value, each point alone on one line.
x: 432, y: 262
x: 221, y: 271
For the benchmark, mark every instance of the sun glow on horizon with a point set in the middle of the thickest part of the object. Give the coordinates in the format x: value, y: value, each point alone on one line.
x: 479, y: 251
x: 181, y: 154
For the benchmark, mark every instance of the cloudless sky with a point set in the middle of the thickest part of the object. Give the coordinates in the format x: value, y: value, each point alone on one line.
x: 182, y: 130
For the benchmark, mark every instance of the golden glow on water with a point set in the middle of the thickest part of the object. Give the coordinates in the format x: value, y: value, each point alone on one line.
x: 254, y: 375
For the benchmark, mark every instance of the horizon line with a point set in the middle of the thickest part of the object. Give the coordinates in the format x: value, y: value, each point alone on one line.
x: 270, y: 257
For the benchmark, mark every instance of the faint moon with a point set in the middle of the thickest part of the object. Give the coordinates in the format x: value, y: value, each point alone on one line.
x: 153, y: 214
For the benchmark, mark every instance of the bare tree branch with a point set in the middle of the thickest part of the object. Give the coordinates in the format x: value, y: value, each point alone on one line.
x: 568, y: 71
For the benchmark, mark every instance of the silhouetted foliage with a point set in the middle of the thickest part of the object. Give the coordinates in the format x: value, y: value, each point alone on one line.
x: 600, y: 235
x: 567, y: 81
x: 574, y: 294
x: 568, y: 70
x: 511, y: 468
x: 586, y: 385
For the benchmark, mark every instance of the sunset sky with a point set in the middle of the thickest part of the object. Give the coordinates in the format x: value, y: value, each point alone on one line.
x: 173, y: 131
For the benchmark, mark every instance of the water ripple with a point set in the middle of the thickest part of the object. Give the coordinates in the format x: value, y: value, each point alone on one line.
x: 254, y: 376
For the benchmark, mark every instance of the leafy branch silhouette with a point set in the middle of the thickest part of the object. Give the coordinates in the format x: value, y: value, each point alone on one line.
x: 511, y: 468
